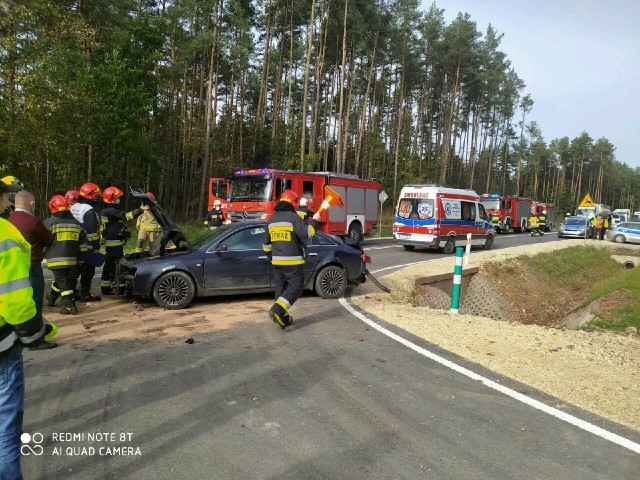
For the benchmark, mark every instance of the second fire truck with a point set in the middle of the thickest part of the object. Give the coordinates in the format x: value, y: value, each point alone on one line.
x: 508, y: 212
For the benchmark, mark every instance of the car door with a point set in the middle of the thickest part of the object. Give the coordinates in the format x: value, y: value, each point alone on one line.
x: 318, y: 247
x: 237, y: 263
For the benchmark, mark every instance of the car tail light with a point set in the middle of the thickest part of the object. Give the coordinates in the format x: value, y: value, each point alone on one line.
x: 366, y: 258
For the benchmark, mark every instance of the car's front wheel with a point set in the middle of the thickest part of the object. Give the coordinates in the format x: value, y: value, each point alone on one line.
x: 619, y: 239
x: 331, y: 282
x: 174, y: 290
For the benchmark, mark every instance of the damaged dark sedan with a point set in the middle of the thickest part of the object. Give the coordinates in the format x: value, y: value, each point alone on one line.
x: 230, y: 261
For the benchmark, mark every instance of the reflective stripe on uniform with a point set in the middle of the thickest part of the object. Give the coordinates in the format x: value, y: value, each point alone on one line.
x: 284, y: 303
x: 266, y: 248
x: 287, y: 260
x: 14, y: 285
x: 33, y: 338
x: 8, y: 341
x: 113, y: 243
x: 62, y: 262
x: 10, y: 243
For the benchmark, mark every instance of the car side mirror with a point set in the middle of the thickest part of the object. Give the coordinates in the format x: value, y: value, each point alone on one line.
x: 221, y: 247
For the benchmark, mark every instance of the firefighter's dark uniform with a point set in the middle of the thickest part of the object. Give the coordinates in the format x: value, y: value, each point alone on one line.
x: 284, y: 239
x: 84, y: 212
x: 542, y: 223
x: 215, y: 219
x: 63, y: 256
x: 115, y: 235
x: 304, y: 213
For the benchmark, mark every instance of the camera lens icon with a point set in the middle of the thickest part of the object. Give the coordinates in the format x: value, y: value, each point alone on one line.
x: 27, y: 439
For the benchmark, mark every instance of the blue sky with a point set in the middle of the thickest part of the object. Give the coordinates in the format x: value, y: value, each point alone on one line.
x: 580, y: 60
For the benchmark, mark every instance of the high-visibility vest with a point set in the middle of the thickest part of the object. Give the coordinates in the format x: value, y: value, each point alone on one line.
x: 533, y: 222
x: 17, y: 309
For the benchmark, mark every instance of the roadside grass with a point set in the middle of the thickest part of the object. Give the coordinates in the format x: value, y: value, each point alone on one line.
x: 575, y: 266
x: 544, y: 288
x: 627, y: 314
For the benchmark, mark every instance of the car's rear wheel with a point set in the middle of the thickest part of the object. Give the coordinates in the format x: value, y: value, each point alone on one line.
x: 449, y: 247
x: 174, y: 290
x: 408, y: 248
x: 619, y: 239
x: 331, y: 282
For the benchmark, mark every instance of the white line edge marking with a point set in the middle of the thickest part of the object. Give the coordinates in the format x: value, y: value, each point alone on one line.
x: 554, y: 412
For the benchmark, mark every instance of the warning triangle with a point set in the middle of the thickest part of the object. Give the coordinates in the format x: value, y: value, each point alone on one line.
x: 587, y: 201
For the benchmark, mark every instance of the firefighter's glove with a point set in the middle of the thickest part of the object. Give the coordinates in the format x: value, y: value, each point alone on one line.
x: 316, y: 216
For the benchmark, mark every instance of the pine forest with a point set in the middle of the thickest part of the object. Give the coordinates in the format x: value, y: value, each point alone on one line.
x: 164, y: 94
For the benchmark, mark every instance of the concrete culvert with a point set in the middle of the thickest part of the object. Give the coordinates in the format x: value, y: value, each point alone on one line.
x: 628, y: 264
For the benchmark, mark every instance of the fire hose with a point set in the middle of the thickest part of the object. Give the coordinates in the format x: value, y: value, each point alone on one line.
x: 376, y: 282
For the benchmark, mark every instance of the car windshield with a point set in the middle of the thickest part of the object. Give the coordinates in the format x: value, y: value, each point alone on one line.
x: 491, y: 204
x: 574, y: 221
x: 249, y: 188
x: 209, y: 237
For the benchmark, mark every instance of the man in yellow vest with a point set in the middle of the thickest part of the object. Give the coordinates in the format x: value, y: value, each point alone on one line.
x: 20, y: 325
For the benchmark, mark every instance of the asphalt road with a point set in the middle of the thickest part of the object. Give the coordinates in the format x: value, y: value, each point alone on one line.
x: 328, y: 398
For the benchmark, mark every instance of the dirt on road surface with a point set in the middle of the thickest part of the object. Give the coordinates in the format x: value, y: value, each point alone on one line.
x: 597, y: 371
x: 116, y: 318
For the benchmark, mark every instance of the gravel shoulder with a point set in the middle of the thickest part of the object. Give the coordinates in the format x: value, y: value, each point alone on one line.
x: 599, y: 372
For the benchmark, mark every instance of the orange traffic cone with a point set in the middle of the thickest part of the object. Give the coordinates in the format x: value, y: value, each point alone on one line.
x: 331, y: 199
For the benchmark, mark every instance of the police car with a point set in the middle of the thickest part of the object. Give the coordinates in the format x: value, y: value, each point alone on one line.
x: 625, y: 232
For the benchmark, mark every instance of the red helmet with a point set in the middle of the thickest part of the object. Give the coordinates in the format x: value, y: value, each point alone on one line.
x: 58, y: 204
x: 289, y: 196
x: 111, y: 194
x: 150, y: 195
x: 89, y: 190
x: 71, y: 197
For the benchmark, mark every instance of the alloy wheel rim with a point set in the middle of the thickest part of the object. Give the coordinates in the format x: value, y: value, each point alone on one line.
x: 173, y: 290
x: 332, y: 282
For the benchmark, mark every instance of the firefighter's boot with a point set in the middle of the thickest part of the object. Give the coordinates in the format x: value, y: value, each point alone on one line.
x: 68, y: 306
x: 106, y: 288
x: 52, y: 298
x: 87, y: 297
x: 279, y: 316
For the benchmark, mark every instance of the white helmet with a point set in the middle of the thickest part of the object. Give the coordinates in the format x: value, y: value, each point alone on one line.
x: 217, y: 203
x: 544, y: 212
x: 303, y: 202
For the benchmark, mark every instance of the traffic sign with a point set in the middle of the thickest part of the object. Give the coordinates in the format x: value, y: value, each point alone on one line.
x: 587, y: 201
x: 383, y: 196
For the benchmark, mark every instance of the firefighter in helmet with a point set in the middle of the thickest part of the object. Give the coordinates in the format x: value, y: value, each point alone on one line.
x: 533, y: 223
x: 542, y: 222
x: 15, y: 185
x: 115, y: 234
x: 215, y: 217
x: 147, y: 225
x: 284, y: 243
x: 83, y: 205
x: 64, y: 255
x: 304, y: 209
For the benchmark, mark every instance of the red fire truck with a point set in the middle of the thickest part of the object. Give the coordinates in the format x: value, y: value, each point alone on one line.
x: 551, y: 213
x: 218, y: 190
x: 253, y: 194
x: 507, y: 212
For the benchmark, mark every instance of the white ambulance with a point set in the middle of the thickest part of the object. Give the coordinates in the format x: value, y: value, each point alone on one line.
x: 438, y: 217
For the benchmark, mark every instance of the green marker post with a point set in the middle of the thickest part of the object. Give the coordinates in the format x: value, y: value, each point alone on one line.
x: 457, y: 280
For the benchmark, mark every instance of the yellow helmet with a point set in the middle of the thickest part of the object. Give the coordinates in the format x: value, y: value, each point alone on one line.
x: 11, y: 180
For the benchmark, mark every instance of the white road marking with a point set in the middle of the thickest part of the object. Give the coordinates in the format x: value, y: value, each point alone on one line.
x: 610, y: 436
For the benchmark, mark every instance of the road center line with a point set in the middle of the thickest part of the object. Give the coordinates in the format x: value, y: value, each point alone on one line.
x: 610, y: 436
